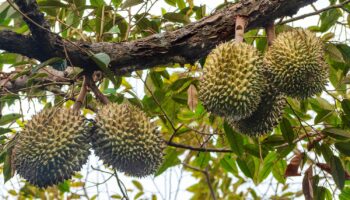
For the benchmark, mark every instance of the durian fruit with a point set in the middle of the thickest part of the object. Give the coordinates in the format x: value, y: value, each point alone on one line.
x: 232, y: 82
x: 126, y: 140
x: 52, y: 147
x: 266, y: 117
x: 295, y: 64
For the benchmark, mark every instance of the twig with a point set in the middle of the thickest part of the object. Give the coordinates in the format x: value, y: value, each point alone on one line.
x: 80, y: 99
x: 97, y: 92
x: 315, y: 13
x: 241, y: 23
x: 207, y: 178
x: 125, y: 194
x: 270, y: 32
x: 173, y: 144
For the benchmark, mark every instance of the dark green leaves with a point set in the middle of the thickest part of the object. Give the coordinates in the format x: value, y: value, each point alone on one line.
x: 235, y: 139
x: 287, y: 130
x: 6, y: 119
x: 130, y: 3
x: 337, y: 172
x: 103, y: 60
x: 176, y: 17
x: 170, y: 159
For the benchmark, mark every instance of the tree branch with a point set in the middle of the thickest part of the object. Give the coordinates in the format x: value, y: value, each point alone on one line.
x: 185, y: 45
x: 173, y: 144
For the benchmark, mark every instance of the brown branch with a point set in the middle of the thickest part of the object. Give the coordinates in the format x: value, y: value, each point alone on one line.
x: 207, y: 178
x: 80, y: 99
x: 182, y: 146
x: 270, y: 33
x: 39, y: 27
x: 92, y: 85
x: 241, y: 23
x: 185, y: 45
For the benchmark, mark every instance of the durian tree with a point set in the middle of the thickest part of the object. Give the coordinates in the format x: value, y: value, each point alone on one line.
x: 174, y: 99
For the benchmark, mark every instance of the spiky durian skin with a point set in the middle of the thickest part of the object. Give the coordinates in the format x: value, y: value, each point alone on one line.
x: 52, y: 147
x: 295, y: 64
x: 232, y: 82
x: 126, y: 140
x: 266, y: 117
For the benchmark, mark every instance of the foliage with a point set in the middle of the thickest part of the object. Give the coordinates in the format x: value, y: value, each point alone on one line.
x: 313, y: 140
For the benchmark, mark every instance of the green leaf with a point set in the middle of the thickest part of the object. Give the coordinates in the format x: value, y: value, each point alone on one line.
x: 52, y: 3
x: 47, y: 62
x: 64, y: 187
x: 329, y: 18
x: 333, y: 52
x: 117, y: 3
x: 322, y: 193
x: 247, y: 166
x: 345, y: 194
x: 337, y: 172
x: 130, y: 3
x: 323, y: 116
x: 345, y: 104
x: 287, y: 130
x: 171, y: 2
x: 278, y: 170
x: 137, y: 185
x: 97, y: 3
x: 171, y: 159
x: 228, y: 164
x: 203, y: 159
x: 181, y: 4
x: 176, y: 17
x: 103, y: 60
x: 343, y: 147
x: 4, y: 130
x: 268, y: 164
x: 7, y: 168
x: 336, y: 132
x: 235, y: 139
x: 5, y: 119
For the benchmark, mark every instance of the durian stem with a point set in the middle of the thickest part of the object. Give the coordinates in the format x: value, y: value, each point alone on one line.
x: 241, y: 23
x: 97, y: 92
x: 270, y: 33
x: 80, y: 99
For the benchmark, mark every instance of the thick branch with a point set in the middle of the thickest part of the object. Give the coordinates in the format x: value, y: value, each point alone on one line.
x: 39, y: 27
x: 185, y: 45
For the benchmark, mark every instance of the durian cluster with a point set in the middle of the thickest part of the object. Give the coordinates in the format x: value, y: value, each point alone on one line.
x: 249, y: 89
x: 56, y: 143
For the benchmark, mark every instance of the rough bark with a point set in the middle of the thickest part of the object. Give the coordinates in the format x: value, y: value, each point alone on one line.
x: 185, y: 45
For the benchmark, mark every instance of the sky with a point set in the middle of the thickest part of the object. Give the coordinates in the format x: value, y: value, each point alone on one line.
x: 166, y: 185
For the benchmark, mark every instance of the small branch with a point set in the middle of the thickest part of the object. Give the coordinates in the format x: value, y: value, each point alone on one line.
x: 182, y: 146
x: 39, y: 27
x: 315, y: 13
x: 207, y: 178
x: 241, y: 23
x: 121, y: 186
x: 103, y: 99
x: 270, y: 33
x: 80, y: 99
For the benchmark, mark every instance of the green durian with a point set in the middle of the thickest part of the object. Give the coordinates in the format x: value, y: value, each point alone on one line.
x: 52, y: 146
x: 265, y: 117
x: 295, y: 64
x: 233, y: 81
x: 126, y: 140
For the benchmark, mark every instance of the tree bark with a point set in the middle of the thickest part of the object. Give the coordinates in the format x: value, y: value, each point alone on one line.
x: 185, y: 45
